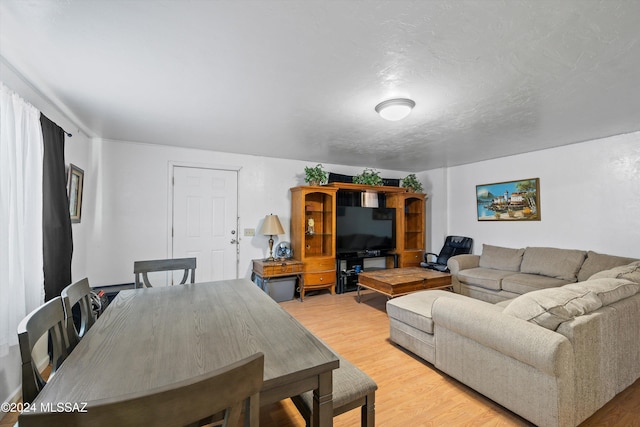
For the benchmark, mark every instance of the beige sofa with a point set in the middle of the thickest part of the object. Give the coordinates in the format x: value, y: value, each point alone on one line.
x: 501, y: 273
x: 553, y: 356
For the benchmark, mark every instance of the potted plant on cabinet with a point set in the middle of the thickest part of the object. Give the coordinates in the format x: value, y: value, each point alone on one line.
x: 315, y: 175
x: 368, y: 177
x: 411, y: 183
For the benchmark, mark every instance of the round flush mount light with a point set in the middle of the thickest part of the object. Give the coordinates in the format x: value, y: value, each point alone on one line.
x: 395, y: 109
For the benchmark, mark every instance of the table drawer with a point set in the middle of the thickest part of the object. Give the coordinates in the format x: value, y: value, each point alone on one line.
x: 323, y: 264
x: 284, y: 268
x: 320, y: 278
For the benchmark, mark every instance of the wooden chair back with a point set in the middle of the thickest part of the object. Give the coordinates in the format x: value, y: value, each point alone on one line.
x: 142, y: 268
x: 184, y: 403
x: 78, y: 293
x: 47, y: 319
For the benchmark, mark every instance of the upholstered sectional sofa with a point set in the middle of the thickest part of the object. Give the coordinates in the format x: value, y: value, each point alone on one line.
x: 554, y: 353
x: 504, y: 273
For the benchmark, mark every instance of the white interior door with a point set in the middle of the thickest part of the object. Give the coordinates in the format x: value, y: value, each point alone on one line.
x: 205, y: 220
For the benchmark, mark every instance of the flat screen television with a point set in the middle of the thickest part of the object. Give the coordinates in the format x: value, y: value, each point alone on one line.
x: 360, y: 229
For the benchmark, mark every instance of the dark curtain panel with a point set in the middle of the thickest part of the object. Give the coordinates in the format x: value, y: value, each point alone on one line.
x: 56, y: 223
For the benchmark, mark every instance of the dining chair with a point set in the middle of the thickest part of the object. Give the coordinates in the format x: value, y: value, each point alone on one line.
x: 184, y: 403
x: 78, y: 294
x: 48, y: 319
x: 142, y: 268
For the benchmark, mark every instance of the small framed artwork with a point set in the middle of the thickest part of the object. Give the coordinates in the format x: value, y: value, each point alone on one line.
x: 74, y: 187
x: 509, y: 201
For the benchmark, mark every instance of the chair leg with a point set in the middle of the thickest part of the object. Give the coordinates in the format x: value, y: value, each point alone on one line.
x: 368, y: 411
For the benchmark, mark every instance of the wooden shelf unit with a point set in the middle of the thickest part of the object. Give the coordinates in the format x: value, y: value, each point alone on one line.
x: 316, y: 250
x: 410, y: 221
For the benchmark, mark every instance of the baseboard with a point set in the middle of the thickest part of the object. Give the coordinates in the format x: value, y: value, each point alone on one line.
x: 16, y: 395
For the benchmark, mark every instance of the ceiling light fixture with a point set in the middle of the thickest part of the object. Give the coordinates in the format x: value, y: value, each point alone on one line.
x: 395, y: 109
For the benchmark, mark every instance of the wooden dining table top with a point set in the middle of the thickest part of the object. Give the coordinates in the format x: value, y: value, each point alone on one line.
x: 152, y: 337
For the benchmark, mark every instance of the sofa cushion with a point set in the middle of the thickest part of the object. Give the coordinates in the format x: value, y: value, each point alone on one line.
x: 500, y: 258
x: 521, y: 283
x: 415, y: 309
x: 608, y: 290
x: 629, y: 272
x: 552, y: 262
x: 596, y: 262
x: 487, y: 278
x: 504, y: 303
x: 550, y: 307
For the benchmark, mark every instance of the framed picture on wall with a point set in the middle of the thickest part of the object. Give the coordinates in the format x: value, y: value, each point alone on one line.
x: 74, y: 187
x: 509, y: 201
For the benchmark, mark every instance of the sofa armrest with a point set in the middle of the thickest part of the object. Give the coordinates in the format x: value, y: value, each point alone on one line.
x: 543, y: 349
x: 462, y: 262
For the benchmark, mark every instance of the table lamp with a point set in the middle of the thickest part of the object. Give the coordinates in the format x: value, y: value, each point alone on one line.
x: 271, y: 227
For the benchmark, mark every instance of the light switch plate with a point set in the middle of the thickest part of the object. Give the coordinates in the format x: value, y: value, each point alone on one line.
x: 249, y: 231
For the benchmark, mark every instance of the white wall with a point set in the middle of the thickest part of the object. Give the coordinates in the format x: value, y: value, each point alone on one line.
x: 128, y: 202
x: 589, y: 197
x: 77, y: 151
x: 434, y: 183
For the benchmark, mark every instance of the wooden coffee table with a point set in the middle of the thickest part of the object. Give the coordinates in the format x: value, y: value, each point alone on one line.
x: 393, y: 282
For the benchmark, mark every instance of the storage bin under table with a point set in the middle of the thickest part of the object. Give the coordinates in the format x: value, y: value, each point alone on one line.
x: 277, y: 278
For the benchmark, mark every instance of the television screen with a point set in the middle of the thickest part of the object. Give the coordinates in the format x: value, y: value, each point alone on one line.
x: 364, y: 229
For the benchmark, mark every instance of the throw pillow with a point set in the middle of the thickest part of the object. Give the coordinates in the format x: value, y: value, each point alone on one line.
x: 552, y: 306
x: 596, y: 262
x: 553, y: 262
x: 608, y: 290
x: 499, y: 258
x: 629, y: 272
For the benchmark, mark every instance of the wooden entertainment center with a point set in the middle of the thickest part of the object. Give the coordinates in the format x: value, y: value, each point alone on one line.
x: 313, y: 230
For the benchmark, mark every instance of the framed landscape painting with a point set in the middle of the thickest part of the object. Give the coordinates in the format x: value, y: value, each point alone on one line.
x: 509, y: 201
x: 74, y: 187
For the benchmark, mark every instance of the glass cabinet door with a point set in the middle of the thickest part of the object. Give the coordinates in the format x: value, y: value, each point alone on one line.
x: 318, y: 224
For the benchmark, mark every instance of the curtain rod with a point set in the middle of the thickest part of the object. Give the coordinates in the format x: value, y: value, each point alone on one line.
x: 13, y: 70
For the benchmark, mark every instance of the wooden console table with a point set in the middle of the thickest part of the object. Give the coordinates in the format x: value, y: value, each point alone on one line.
x: 267, y: 270
x: 400, y: 281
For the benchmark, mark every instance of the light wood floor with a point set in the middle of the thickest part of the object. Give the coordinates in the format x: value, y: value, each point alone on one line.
x: 411, y: 392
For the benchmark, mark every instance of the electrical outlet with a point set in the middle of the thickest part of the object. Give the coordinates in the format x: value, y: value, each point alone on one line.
x: 249, y: 231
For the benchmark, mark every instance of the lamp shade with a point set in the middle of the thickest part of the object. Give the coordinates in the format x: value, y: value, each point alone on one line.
x: 395, y: 109
x: 271, y: 226
x: 369, y: 199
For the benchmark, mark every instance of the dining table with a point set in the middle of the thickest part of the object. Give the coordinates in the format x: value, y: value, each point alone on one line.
x: 152, y: 337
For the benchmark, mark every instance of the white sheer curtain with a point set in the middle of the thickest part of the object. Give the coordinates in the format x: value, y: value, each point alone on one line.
x: 21, y: 264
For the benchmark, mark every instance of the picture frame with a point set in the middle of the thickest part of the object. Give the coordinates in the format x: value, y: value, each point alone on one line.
x: 509, y: 200
x: 75, y: 184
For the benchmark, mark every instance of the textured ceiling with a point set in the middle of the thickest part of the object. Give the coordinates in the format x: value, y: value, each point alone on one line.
x: 300, y: 79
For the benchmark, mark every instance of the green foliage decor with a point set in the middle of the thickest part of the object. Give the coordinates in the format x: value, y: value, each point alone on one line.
x: 411, y: 182
x: 368, y: 177
x: 315, y: 175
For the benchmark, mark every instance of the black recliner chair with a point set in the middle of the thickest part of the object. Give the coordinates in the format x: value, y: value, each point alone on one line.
x: 453, y: 245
